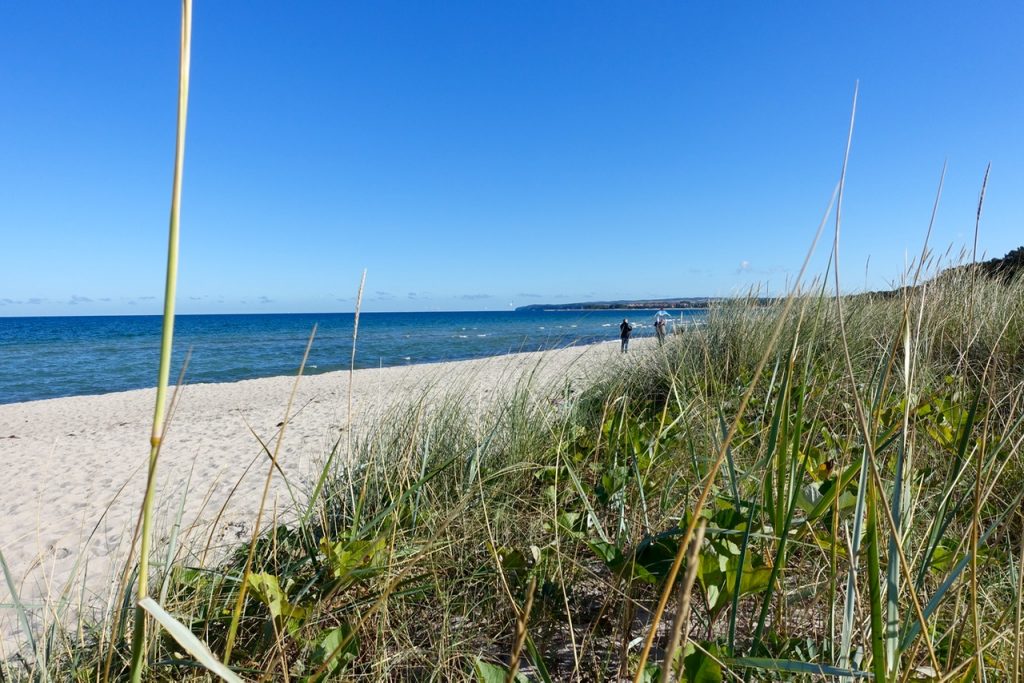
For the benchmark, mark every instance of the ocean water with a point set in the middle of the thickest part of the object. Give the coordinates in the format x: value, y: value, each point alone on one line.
x: 71, y: 356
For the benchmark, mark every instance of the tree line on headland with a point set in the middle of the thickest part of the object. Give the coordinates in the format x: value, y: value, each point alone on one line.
x: 1006, y: 269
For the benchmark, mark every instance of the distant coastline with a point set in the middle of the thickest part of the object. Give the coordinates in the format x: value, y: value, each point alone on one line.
x: 1005, y: 269
x: 692, y: 302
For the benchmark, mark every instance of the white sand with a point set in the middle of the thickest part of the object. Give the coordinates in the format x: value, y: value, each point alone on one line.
x: 66, y: 460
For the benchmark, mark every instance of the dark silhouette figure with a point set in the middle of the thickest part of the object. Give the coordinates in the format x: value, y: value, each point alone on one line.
x: 625, y: 329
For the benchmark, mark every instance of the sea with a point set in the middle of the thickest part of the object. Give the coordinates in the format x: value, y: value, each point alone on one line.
x: 52, y: 357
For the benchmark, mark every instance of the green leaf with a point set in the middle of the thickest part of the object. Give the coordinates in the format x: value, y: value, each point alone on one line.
x: 651, y: 673
x: 616, y: 562
x: 613, y: 480
x: 572, y: 523
x: 494, y: 673
x: 702, y: 667
x: 752, y: 580
x: 609, y: 553
x: 511, y: 559
x: 268, y: 591
x: 189, y: 641
x: 353, y: 561
x: 831, y: 488
x: 654, y: 557
x: 717, y: 576
x: 286, y: 615
x: 336, y: 648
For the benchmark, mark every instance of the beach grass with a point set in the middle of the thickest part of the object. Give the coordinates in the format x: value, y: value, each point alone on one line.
x: 537, y: 535
x: 817, y: 487
x: 145, y: 530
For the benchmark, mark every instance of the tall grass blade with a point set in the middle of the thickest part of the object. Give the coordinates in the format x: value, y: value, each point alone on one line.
x: 166, y: 341
x: 537, y: 660
x: 741, y: 564
x: 731, y: 462
x: 942, y: 518
x: 326, y: 469
x: 794, y: 667
x: 914, y: 628
x: 681, y: 624
x: 172, y: 542
x: 900, y: 500
x: 849, y: 610
x: 709, y: 479
x: 242, y: 589
x: 785, y: 466
x: 19, y: 609
x: 591, y: 514
x: 876, y: 601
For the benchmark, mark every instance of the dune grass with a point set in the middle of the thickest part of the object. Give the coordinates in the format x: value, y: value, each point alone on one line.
x: 538, y: 535
x: 819, y: 487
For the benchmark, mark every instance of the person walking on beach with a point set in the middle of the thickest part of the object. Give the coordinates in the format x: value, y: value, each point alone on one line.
x: 660, y: 323
x: 624, y: 331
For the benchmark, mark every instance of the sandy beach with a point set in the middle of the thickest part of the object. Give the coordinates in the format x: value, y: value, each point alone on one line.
x: 75, y: 467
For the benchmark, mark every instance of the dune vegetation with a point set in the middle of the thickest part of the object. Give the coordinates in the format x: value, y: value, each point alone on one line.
x: 851, y: 494
x: 817, y: 486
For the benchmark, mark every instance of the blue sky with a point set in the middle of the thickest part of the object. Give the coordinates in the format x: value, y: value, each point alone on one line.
x: 471, y: 155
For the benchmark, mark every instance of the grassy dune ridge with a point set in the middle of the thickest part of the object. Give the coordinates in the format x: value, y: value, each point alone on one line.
x: 540, y: 534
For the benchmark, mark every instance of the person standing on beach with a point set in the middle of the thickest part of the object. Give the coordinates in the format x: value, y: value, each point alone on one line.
x: 659, y: 330
x: 660, y: 319
x: 624, y: 331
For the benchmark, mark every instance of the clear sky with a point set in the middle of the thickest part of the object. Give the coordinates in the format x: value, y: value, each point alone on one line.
x: 476, y: 154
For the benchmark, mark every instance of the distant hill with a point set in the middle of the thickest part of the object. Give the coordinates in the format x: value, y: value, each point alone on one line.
x: 1007, y: 268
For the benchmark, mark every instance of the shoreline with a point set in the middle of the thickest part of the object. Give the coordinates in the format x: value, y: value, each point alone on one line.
x: 76, y: 465
x: 315, y: 372
x: 118, y: 353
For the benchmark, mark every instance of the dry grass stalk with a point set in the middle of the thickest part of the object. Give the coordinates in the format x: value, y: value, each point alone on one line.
x: 681, y: 623
x: 521, y: 621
